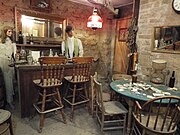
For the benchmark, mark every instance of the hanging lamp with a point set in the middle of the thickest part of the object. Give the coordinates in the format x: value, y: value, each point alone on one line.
x: 94, y: 21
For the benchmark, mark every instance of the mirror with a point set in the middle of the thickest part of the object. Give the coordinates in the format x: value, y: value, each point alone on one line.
x: 166, y: 39
x: 45, y: 28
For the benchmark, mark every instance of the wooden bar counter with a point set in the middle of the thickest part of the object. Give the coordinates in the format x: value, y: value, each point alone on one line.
x: 28, y: 94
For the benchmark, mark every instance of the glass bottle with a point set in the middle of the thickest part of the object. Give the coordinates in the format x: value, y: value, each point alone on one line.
x: 20, y: 37
x: 31, y: 39
x: 50, y: 53
x: 172, y: 80
x: 30, y: 58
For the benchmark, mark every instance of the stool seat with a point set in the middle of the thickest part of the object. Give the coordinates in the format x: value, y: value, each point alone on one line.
x: 4, y: 115
x: 5, y: 118
x: 48, y: 83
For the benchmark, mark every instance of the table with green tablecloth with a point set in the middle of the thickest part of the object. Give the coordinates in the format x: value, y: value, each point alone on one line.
x: 142, y: 91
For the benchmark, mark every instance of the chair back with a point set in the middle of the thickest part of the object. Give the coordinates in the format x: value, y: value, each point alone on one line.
x: 97, y: 88
x: 52, y: 70
x: 81, y: 72
x: 159, y: 115
x: 82, y: 59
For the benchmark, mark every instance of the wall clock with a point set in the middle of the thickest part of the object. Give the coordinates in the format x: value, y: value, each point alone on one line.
x: 176, y: 6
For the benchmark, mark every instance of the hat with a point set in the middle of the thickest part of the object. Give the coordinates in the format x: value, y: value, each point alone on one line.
x: 68, y: 28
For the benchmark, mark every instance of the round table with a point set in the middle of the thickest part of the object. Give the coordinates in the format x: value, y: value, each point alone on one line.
x: 130, y: 96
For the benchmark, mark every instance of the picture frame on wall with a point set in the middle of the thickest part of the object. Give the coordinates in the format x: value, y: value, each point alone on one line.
x: 123, y: 34
x: 40, y: 5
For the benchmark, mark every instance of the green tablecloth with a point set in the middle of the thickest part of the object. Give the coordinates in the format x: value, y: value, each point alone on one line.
x: 142, y: 95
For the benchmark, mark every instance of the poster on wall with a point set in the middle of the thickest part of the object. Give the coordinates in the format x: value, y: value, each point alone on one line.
x: 123, y: 34
x: 42, y: 5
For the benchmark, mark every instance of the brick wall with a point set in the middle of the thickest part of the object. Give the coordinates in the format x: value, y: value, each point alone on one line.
x: 156, y: 13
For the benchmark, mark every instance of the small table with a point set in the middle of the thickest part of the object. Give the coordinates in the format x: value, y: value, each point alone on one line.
x: 131, y: 94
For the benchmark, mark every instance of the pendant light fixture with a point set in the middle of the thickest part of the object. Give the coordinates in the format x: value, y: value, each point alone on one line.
x: 94, y: 21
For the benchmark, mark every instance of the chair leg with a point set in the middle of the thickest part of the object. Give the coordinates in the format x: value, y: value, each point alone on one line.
x: 60, y: 103
x: 124, y: 125
x: 92, y: 102
x: 102, y: 122
x: 144, y: 132
x: 10, y: 126
x: 42, y: 109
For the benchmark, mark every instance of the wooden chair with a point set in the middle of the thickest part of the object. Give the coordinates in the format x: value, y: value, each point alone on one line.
x: 77, y: 91
x: 5, y: 122
x: 157, y: 116
x: 52, y: 73
x: 114, y: 95
x: 112, y: 114
x: 106, y: 95
x: 120, y: 77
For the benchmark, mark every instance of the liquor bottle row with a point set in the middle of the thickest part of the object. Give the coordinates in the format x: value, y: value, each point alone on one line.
x: 25, y: 38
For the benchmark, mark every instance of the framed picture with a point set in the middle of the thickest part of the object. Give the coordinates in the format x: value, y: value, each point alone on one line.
x: 123, y: 34
x: 40, y: 5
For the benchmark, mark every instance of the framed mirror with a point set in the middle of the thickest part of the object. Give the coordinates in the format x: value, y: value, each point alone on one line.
x: 45, y: 28
x: 166, y: 39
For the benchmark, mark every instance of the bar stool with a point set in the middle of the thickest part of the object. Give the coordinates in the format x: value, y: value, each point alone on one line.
x: 5, y: 119
x: 52, y: 73
x: 77, y: 91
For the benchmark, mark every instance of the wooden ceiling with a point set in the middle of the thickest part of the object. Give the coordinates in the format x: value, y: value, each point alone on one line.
x: 115, y: 3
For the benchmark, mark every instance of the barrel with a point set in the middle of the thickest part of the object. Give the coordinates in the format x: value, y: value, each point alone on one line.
x: 2, y: 90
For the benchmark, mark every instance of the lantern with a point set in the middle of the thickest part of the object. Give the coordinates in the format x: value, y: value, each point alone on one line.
x: 94, y: 21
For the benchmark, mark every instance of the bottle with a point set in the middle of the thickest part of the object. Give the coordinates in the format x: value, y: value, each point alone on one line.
x: 28, y: 38
x: 14, y: 36
x: 30, y: 58
x: 172, y: 80
x: 24, y: 39
x: 50, y: 53
x: 20, y: 37
x: 31, y: 39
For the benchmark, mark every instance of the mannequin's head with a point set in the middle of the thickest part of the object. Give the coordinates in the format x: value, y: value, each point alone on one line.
x: 6, y: 32
x: 69, y: 31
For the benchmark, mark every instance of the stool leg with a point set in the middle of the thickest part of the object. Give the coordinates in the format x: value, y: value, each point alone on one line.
x: 42, y: 109
x: 86, y: 95
x: 10, y: 126
x: 66, y: 92
x: 73, y: 101
x: 60, y: 103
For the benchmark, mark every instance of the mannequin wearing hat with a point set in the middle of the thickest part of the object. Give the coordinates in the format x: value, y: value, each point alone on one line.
x: 72, y: 47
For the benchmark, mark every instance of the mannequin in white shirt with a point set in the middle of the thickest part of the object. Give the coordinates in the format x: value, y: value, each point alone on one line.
x: 72, y: 47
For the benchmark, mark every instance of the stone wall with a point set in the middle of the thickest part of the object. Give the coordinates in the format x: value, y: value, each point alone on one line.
x: 96, y: 43
x: 156, y: 13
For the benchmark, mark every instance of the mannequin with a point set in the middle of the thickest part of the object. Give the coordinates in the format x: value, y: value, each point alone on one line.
x: 7, y: 53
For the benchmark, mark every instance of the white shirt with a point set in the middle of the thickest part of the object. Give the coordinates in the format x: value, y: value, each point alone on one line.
x: 70, y: 42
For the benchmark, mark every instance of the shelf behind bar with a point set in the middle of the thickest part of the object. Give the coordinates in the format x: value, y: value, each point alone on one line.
x: 38, y: 45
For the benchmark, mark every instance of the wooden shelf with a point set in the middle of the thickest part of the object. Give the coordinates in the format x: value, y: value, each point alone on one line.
x: 38, y: 46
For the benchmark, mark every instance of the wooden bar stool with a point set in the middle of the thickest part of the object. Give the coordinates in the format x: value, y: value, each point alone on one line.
x: 77, y: 91
x: 52, y: 73
x: 5, y: 122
